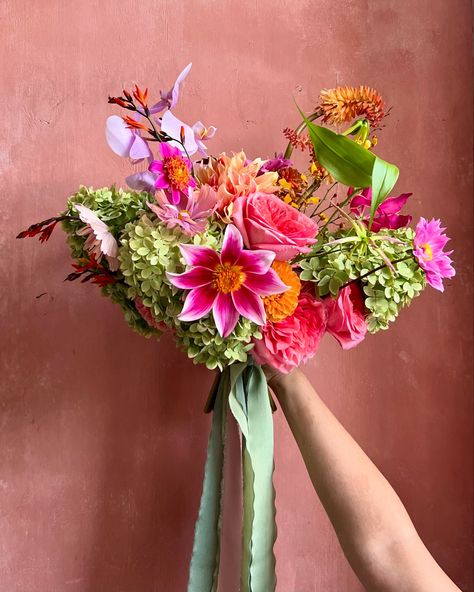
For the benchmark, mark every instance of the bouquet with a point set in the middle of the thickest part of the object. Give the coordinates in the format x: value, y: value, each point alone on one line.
x: 249, y: 262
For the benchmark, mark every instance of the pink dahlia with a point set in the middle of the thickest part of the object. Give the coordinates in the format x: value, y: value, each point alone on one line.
x: 230, y: 283
x: 429, y: 243
x: 292, y: 341
x: 190, y: 214
x: 173, y: 172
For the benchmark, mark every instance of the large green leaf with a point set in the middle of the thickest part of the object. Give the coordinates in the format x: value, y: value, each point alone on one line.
x: 348, y: 162
x: 384, y: 177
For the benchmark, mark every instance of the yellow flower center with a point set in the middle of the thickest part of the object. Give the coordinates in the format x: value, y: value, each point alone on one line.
x: 228, y: 278
x: 428, y: 251
x: 177, y: 172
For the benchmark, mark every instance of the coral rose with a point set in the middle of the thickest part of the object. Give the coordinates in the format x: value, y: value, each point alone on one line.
x: 291, y: 342
x: 266, y: 222
x: 346, y: 316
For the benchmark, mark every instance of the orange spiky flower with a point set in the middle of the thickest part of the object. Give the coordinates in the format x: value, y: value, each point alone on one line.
x: 344, y: 103
x: 280, y: 306
x: 141, y: 96
x: 133, y: 124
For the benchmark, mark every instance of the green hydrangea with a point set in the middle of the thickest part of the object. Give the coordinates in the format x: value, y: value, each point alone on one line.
x: 114, y: 206
x: 148, y: 250
x: 387, y: 291
x: 118, y: 293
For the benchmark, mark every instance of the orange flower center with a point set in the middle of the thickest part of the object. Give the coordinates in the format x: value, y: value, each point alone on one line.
x: 428, y: 251
x: 280, y: 306
x: 228, y: 278
x: 177, y: 172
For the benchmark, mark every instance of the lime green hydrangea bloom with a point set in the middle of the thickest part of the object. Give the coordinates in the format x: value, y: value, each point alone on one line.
x: 114, y: 206
x: 387, y: 291
x: 148, y: 250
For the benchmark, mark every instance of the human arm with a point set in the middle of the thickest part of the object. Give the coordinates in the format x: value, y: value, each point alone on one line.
x: 372, y: 525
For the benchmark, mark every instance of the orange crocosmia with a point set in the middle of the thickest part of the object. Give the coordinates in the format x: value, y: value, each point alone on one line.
x: 133, y: 124
x: 140, y: 95
x: 280, y: 306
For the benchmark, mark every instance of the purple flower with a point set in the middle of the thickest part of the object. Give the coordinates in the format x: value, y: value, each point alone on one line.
x: 190, y: 214
x: 173, y: 172
x: 275, y: 164
x: 169, y: 99
x: 125, y: 141
x: 143, y: 181
x: 172, y: 126
x: 429, y: 243
x: 230, y: 283
x: 387, y: 214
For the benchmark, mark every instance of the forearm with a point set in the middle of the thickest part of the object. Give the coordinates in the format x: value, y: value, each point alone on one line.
x: 371, y: 523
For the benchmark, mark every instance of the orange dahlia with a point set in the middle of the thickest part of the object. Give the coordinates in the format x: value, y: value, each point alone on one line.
x: 280, y: 306
x: 344, y: 103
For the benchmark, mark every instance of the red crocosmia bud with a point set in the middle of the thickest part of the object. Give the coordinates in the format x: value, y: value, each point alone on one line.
x: 127, y: 95
x: 181, y: 134
x: 119, y: 101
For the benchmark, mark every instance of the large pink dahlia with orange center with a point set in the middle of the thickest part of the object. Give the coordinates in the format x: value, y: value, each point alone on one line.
x: 230, y: 283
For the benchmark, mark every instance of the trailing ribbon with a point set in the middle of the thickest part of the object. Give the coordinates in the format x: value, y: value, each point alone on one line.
x: 242, y: 388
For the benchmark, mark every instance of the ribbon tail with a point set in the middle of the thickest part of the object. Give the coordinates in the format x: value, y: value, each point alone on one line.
x: 204, y: 569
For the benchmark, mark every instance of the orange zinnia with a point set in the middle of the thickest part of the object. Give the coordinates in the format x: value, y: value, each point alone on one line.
x: 280, y: 306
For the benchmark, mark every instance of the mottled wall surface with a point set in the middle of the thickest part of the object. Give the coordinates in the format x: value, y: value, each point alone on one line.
x: 102, y: 439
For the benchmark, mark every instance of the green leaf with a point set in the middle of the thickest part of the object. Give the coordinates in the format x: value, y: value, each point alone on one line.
x: 384, y: 177
x: 348, y: 162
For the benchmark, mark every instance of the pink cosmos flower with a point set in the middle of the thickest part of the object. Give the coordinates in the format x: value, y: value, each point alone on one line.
x: 192, y: 212
x: 266, y: 222
x: 346, y: 316
x: 100, y: 241
x: 387, y: 214
x: 429, y: 243
x: 173, y: 172
x: 124, y: 141
x: 230, y: 283
x: 292, y: 341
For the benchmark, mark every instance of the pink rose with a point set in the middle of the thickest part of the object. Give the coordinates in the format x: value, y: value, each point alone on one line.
x: 292, y: 341
x: 346, y: 316
x: 266, y: 222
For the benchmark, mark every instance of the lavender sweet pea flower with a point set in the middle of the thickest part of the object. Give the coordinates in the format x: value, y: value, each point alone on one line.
x: 169, y: 99
x: 172, y: 126
x: 201, y: 132
x: 124, y: 141
x: 144, y: 181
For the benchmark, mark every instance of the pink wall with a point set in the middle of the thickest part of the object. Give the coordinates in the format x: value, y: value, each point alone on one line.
x: 102, y: 439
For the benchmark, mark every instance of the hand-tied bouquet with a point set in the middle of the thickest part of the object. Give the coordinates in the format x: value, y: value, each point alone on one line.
x: 249, y: 262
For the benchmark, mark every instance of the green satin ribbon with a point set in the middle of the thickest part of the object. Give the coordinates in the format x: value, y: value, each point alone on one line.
x: 242, y: 388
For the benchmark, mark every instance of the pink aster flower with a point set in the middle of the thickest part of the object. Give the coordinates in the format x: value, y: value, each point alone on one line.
x: 173, y: 172
x: 192, y: 212
x: 100, y: 241
x: 387, y: 214
x: 429, y: 243
x: 230, y: 283
x: 292, y: 341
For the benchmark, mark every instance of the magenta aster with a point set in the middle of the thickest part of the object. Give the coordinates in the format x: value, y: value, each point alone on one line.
x: 173, y: 172
x: 230, y: 283
x: 429, y: 243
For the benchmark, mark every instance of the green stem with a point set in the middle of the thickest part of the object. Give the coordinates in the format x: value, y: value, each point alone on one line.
x: 374, y: 270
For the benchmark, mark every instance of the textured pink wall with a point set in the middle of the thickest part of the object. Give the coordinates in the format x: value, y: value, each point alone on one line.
x: 102, y: 439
